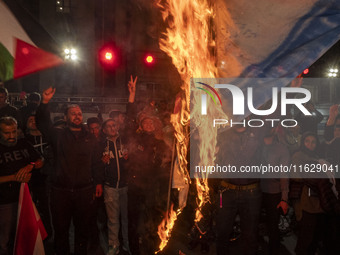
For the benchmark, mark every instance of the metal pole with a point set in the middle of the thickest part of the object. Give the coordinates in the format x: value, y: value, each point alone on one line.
x: 170, y: 179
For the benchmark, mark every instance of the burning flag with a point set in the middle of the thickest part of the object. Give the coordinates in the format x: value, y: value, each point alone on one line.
x: 188, y: 41
x: 19, y: 35
x: 30, y: 229
x: 233, y: 38
x: 273, y: 39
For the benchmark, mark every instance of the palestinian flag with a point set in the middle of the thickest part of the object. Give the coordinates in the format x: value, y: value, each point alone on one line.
x: 30, y: 229
x: 25, y: 46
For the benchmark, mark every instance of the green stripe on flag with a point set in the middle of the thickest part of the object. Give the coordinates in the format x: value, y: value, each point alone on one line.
x: 6, y: 64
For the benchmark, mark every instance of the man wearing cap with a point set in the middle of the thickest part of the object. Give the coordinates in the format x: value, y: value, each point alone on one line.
x: 77, y: 171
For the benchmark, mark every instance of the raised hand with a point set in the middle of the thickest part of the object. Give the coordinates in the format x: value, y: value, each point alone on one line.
x: 132, y: 89
x: 333, y: 112
x: 47, y: 95
x: 132, y: 85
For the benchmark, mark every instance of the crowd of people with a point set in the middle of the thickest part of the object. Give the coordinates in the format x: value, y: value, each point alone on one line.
x: 107, y: 181
x: 103, y: 182
x: 313, y: 196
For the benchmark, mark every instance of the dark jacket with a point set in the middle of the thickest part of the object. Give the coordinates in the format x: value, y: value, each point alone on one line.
x: 319, y: 188
x: 146, y: 159
x: 331, y: 151
x: 116, y: 172
x: 77, y: 158
x: 240, y: 149
x: 323, y: 187
x: 300, y: 157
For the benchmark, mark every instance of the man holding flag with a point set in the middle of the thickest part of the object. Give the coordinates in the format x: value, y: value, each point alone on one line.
x: 17, y: 159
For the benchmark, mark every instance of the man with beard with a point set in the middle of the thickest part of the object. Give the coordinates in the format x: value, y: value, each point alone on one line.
x: 77, y: 163
x: 17, y: 159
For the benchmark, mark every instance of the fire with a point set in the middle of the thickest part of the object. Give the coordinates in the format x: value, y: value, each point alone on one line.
x: 164, y: 229
x: 189, y: 41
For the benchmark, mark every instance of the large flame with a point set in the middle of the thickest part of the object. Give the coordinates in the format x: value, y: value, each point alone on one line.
x: 189, y: 42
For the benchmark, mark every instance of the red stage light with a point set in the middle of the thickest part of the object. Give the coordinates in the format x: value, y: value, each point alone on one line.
x: 149, y: 59
x: 306, y: 71
x: 106, y: 56
x: 109, y: 56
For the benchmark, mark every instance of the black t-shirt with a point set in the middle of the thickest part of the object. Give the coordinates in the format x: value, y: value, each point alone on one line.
x: 12, y: 159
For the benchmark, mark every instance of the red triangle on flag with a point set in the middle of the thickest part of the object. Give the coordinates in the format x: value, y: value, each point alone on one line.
x: 30, y: 229
x: 30, y: 59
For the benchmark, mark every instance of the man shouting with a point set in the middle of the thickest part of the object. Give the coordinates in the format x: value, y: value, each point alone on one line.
x: 77, y: 163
